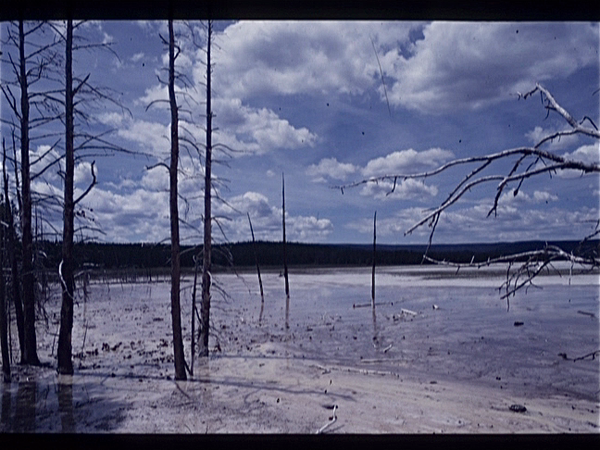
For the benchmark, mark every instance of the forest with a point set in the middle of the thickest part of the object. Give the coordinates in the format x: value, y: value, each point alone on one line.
x: 95, y: 255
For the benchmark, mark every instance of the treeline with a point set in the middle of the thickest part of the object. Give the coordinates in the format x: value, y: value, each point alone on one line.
x: 116, y: 256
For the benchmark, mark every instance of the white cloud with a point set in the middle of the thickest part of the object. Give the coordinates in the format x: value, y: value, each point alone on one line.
x: 587, y: 154
x: 257, y: 130
x: 152, y: 137
x: 292, y: 57
x: 404, y: 189
x: 398, y: 162
x: 137, y: 57
x: 406, y: 162
x: 471, y: 65
x: 266, y: 221
x: 539, y: 133
x: 330, y: 168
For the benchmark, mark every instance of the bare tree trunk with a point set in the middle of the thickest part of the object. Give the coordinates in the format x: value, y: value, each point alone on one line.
x: 12, y: 254
x: 194, y: 312
x: 262, y: 294
x: 3, y: 322
x: 31, y: 356
x: 174, y: 209
x: 65, y: 269
x: 374, y: 260
x: 285, y: 268
x: 207, y: 253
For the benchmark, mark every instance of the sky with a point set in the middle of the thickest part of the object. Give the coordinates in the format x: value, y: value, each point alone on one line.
x: 326, y: 104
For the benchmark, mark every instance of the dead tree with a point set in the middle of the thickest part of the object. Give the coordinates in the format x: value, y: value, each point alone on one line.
x: 207, y: 249
x: 84, y: 91
x: 526, y: 163
x: 174, y: 215
x: 3, y: 321
x: 374, y: 260
x: 30, y: 67
x: 12, y: 255
x: 66, y: 269
x: 262, y: 294
x: 285, y: 267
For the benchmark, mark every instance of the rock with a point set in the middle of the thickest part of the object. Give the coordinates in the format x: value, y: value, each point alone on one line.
x: 517, y: 408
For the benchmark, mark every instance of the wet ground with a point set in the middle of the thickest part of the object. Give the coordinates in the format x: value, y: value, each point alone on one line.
x: 429, y: 328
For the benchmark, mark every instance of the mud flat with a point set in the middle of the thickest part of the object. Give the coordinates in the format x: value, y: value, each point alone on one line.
x: 440, y: 356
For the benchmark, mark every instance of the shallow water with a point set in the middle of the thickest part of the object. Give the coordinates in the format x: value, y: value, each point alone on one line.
x: 123, y: 348
x: 468, y: 334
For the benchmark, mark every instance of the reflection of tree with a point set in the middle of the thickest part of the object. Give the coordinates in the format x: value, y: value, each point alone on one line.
x: 5, y: 418
x: 524, y: 163
x: 65, y: 406
x: 24, y: 421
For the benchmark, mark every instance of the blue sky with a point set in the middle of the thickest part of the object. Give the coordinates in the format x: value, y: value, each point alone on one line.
x: 307, y: 99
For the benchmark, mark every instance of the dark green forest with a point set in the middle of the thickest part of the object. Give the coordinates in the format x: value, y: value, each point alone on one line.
x: 270, y: 254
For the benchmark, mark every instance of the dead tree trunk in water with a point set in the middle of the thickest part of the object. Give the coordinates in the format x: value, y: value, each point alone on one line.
x: 194, y: 313
x: 65, y: 268
x: 12, y: 254
x: 262, y: 294
x: 31, y: 356
x: 207, y: 253
x: 174, y: 216
x: 374, y: 260
x: 3, y: 321
x: 285, y: 268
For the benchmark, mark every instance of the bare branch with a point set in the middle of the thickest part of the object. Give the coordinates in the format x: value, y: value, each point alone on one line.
x: 89, y: 188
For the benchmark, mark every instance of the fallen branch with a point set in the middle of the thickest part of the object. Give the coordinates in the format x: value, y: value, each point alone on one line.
x: 591, y: 355
x: 332, y: 420
x: 364, y: 305
x: 585, y: 313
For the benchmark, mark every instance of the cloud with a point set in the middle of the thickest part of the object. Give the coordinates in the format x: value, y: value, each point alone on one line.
x: 266, y: 221
x: 257, y: 130
x: 398, y: 162
x: 508, y: 200
x: 587, y: 154
x: 406, y: 162
x: 404, y: 189
x: 152, y: 137
x: 330, y: 168
x: 539, y: 133
x: 471, y: 65
x: 137, y: 57
x: 292, y: 57
x: 470, y: 223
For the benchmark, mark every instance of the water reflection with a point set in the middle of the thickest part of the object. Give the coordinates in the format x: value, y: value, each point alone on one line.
x: 375, y: 330
x: 6, y: 407
x: 65, y: 403
x: 24, y: 420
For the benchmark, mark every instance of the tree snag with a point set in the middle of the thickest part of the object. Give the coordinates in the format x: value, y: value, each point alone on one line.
x: 207, y: 250
x: 285, y: 267
x: 174, y: 216
x: 262, y: 294
x: 65, y: 268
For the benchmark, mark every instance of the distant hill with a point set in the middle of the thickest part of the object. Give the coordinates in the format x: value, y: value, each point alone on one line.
x: 114, y: 256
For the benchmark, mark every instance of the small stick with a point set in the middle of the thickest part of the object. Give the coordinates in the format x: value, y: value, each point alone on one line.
x: 585, y: 313
x: 332, y: 420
